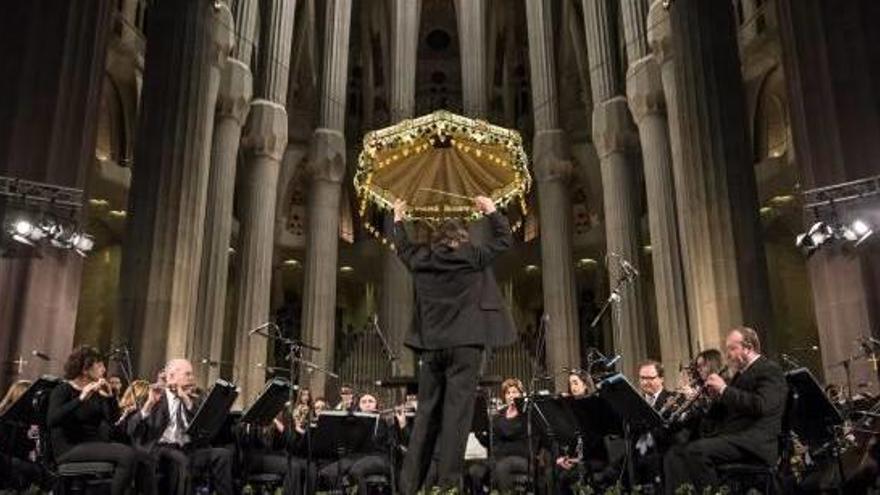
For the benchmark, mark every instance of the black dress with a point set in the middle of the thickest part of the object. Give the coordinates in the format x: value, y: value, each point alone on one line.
x: 80, y: 431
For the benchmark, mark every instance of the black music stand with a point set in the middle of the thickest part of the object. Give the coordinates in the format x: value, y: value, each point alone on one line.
x: 211, y: 415
x: 339, y: 433
x: 635, y: 414
x: 812, y: 416
x: 29, y: 409
x: 270, y: 402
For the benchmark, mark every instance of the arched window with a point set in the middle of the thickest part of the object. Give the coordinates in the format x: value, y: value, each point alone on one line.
x: 110, y: 143
x: 771, y: 119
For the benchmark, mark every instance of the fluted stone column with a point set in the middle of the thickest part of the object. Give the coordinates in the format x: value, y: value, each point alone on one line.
x: 50, y: 94
x: 552, y: 170
x: 264, y: 141
x: 615, y: 139
x: 834, y: 128
x: 326, y: 163
x: 396, y: 307
x: 715, y: 187
x: 644, y: 90
x: 233, y: 103
x: 471, y: 15
x: 163, y: 243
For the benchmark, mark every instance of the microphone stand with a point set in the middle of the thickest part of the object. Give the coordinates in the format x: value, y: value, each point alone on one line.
x: 386, y: 347
x: 294, y: 356
x: 392, y: 358
x: 538, y: 372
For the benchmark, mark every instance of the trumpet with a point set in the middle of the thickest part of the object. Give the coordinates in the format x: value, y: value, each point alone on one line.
x: 682, y: 411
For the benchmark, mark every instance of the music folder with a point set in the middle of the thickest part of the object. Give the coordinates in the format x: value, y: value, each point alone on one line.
x: 211, y: 414
x: 270, y: 402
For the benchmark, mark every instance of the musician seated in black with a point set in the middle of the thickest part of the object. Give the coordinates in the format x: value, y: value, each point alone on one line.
x: 574, y: 461
x: 18, y: 447
x: 691, y: 413
x: 509, y: 445
x: 750, y: 410
x: 346, y: 398
x: 371, y: 459
x: 160, y: 429
x: 648, y: 461
x: 81, y: 414
x: 264, y: 449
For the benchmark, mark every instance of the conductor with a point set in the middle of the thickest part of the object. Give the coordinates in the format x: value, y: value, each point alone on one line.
x: 459, y: 312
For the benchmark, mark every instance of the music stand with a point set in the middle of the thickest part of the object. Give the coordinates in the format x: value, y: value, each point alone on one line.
x: 813, y: 417
x: 270, y: 402
x: 339, y: 433
x: 211, y: 414
x: 29, y: 409
x: 634, y: 412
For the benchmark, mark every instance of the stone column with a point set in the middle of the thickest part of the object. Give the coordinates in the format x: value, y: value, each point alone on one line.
x: 552, y: 169
x: 715, y: 186
x: 396, y: 308
x: 615, y: 139
x: 326, y: 163
x: 471, y: 16
x: 232, y: 108
x: 49, y: 98
x: 233, y: 100
x: 646, y: 102
x: 834, y: 126
x: 264, y: 141
x: 163, y: 243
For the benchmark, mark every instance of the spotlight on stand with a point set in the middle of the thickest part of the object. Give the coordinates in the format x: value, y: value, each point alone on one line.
x: 811, y: 240
x: 833, y: 233
x: 56, y: 234
x: 861, y: 230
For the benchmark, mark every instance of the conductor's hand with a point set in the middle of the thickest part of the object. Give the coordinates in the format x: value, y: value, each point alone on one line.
x: 484, y: 205
x: 399, y: 210
x: 715, y: 384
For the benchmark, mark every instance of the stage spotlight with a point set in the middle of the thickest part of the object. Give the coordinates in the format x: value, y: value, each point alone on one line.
x: 21, y: 231
x: 814, y: 238
x: 82, y: 243
x: 861, y: 230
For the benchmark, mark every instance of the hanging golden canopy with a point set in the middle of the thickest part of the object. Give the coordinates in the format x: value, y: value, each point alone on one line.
x: 437, y: 162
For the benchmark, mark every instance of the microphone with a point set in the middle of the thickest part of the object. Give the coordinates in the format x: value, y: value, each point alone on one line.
x: 209, y: 362
x: 545, y: 318
x: 628, y: 268
x: 609, y: 363
x: 38, y: 354
x: 257, y: 329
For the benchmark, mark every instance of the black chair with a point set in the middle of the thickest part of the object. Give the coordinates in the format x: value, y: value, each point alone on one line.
x: 743, y: 477
x: 84, y: 477
x: 265, y: 483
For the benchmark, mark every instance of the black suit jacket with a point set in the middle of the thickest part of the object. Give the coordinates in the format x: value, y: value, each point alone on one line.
x: 752, y: 407
x: 145, y: 433
x: 458, y: 302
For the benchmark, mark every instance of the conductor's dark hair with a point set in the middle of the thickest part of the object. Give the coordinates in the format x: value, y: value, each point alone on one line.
x: 450, y: 232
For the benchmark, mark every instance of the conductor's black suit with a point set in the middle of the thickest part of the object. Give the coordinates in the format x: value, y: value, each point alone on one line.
x: 459, y: 311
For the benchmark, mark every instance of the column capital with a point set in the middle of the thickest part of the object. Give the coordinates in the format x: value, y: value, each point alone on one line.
x: 613, y: 131
x: 326, y: 159
x: 660, y: 32
x: 550, y: 155
x: 266, y: 130
x: 644, y: 88
x: 222, y: 34
x: 236, y: 90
